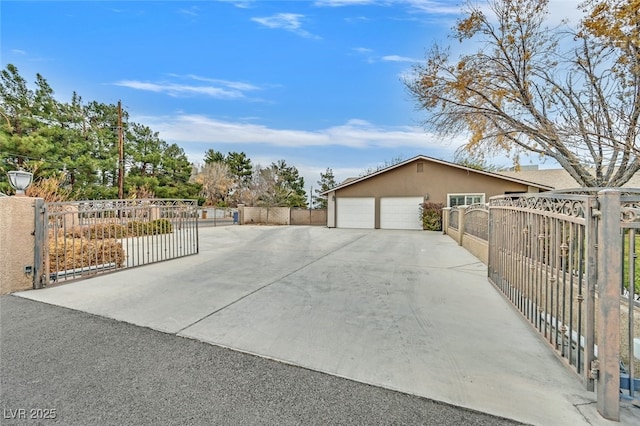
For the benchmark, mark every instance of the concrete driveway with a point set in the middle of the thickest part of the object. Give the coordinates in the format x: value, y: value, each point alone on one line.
x: 404, y: 310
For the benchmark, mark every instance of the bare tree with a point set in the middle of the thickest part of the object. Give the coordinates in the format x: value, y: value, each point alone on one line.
x: 216, y: 183
x: 571, y: 95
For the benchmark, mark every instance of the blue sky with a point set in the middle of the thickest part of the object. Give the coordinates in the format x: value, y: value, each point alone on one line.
x: 316, y: 83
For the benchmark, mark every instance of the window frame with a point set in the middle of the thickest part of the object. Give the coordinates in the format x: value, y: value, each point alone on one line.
x: 466, y: 195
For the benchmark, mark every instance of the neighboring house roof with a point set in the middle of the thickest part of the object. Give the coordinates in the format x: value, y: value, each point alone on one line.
x: 559, y: 178
x: 351, y: 181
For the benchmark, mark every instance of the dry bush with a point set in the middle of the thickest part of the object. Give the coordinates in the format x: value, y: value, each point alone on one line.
x: 51, y: 189
x: 99, y: 231
x: 141, y: 192
x: 71, y: 253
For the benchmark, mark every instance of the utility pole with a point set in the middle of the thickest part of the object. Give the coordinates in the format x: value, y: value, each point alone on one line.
x: 120, y: 154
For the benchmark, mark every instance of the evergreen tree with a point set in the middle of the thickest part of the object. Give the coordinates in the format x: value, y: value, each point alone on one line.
x: 326, y: 182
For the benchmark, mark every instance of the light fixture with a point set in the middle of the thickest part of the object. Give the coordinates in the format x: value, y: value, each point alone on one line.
x: 20, y: 180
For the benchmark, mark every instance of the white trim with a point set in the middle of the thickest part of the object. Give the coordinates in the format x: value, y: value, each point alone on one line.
x: 465, y: 195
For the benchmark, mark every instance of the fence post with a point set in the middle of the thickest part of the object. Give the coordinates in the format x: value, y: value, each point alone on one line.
x: 609, y: 279
x: 591, y: 245
x: 240, y: 214
x: 41, y: 240
x: 18, y: 216
x: 445, y: 219
x: 461, y: 212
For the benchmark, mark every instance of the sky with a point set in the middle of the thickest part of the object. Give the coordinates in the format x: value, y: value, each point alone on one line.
x: 315, y: 83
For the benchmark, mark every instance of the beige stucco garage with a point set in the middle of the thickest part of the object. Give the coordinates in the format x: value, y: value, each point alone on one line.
x: 390, y: 198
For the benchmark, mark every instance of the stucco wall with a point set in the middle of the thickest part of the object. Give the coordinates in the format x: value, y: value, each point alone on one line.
x: 477, y: 247
x: 331, y: 210
x: 308, y: 217
x: 436, y: 179
x: 266, y: 215
x: 17, y: 224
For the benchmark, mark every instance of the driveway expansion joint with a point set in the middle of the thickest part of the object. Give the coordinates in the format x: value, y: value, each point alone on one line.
x: 306, y: 265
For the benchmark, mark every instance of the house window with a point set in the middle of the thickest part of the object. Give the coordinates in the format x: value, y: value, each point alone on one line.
x: 420, y: 167
x: 464, y: 199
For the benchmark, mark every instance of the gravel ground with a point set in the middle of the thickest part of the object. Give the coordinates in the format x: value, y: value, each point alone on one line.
x: 80, y: 369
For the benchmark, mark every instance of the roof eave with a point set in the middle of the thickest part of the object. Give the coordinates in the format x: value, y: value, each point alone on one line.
x: 435, y: 160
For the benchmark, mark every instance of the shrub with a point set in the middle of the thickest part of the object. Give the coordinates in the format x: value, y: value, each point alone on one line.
x: 155, y: 227
x: 431, y: 215
x: 99, y: 231
x: 160, y: 226
x: 72, y: 253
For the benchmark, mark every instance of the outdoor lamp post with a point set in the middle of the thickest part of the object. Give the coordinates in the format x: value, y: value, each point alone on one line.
x: 20, y: 180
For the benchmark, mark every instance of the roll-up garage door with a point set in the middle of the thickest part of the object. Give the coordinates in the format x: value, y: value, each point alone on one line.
x: 356, y: 212
x: 400, y: 212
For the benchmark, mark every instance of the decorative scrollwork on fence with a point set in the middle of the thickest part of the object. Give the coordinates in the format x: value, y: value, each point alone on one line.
x: 476, y: 221
x: 630, y: 213
x: 570, y: 205
x: 453, y: 218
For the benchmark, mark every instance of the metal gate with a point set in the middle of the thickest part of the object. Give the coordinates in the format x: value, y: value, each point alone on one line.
x: 564, y: 259
x: 80, y: 239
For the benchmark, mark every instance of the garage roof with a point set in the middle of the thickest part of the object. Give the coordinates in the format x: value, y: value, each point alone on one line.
x: 352, y: 181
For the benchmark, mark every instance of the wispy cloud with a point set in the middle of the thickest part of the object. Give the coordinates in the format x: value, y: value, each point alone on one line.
x: 371, y: 57
x: 185, y: 129
x: 426, y: 6
x: 217, y: 88
x: 240, y: 4
x: 191, y: 11
x: 396, y: 58
x: 363, y: 50
x: 238, y: 85
x: 180, y: 89
x: 291, y: 22
x: 342, y: 3
x: 435, y: 7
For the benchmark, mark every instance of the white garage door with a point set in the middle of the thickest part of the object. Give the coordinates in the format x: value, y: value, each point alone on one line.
x: 400, y: 213
x: 356, y: 212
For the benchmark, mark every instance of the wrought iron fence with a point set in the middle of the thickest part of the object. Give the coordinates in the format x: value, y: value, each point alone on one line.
x: 630, y: 291
x: 86, y: 238
x: 453, y: 217
x: 476, y: 221
x: 568, y: 261
x: 541, y: 251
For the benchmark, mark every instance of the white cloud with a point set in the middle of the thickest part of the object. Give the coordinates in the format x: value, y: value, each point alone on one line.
x: 435, y: 7
x: 426, y: 6
x: 192, y: 11
x: 184, y: 129
x: 396, y: 58
x: 181, y: 89
x: 291, y: 22
x: 341, y: 3
x: 216, y: 88
x: 238, y: 85
x: 363, y: 50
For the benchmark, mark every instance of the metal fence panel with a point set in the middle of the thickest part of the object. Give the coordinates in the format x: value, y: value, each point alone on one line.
x: 88, y: 238
x: 476, y: 221
x: 569, y: 261
x: 630, y: 291
x: 539, y: 252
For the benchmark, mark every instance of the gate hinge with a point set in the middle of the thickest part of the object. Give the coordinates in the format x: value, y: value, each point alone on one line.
x: 595, y: 368
x: 596, y: 213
